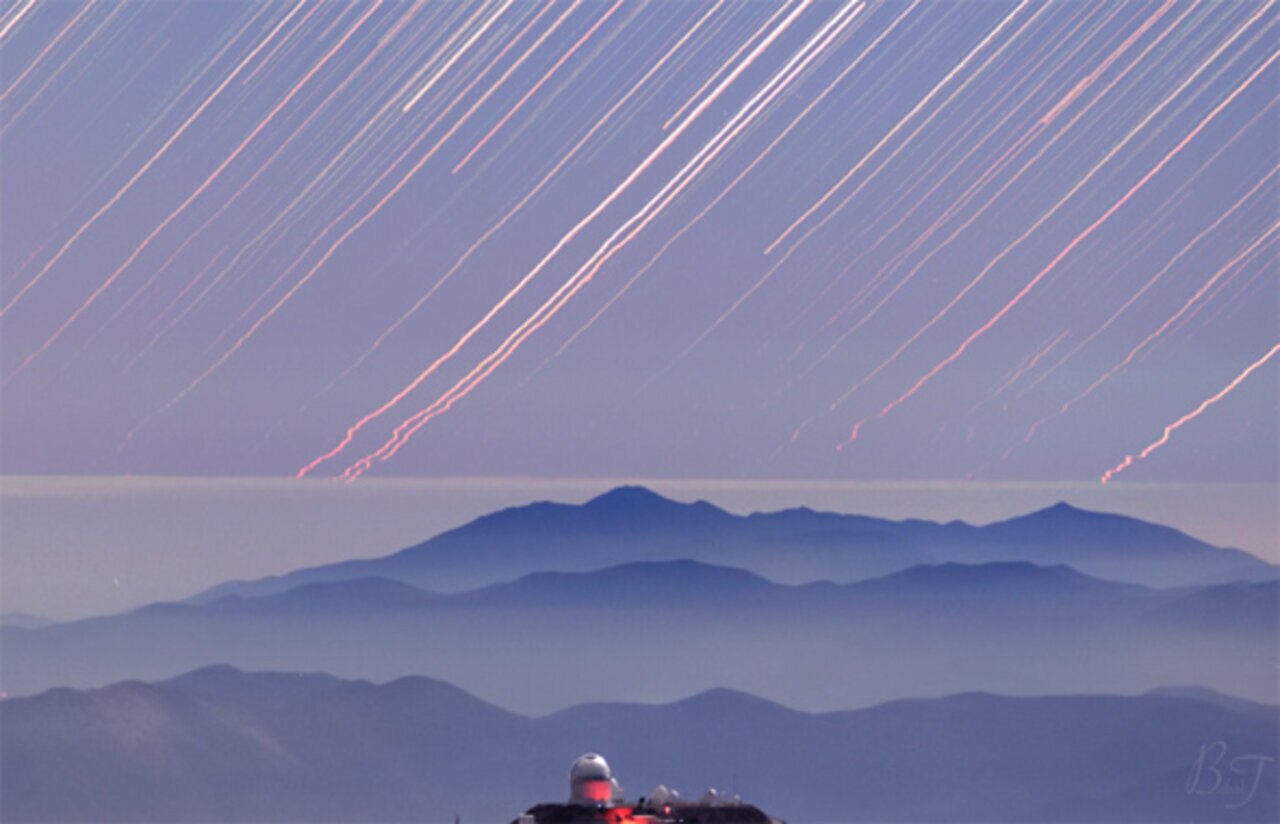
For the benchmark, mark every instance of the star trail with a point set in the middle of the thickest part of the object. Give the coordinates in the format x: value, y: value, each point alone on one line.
x: 866, y: 239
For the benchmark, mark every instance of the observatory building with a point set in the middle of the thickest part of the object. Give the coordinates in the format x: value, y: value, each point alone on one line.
x: 591, y: 783
x: 595, y: 797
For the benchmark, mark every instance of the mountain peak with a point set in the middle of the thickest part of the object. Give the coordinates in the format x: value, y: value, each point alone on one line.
x: 723, y: 699
x: 1064, y: 514
x: 632, y: 502
x: 1063, y: 511
x: 630, y: 496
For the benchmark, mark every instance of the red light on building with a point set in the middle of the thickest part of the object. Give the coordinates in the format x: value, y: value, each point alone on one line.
x: 598, y: 790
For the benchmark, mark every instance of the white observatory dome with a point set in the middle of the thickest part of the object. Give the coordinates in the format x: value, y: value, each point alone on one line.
x: 591, y: 781
x: 590, y: 766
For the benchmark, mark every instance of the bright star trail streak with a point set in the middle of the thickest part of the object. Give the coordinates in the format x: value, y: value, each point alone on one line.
x: 564, y: 160
x: 1129, y: 460
x: 64, y: 65
x: 424, y: 132
x: 316, y: 181
x: 924, y: 101
x: 1026, y: 366
x: 382, y: 44
x: 276, y: 253
x: 768, y: 275
x: 953, y: 168
x: 1261, y: 252
x: 444, y: 48
x: 288, y: 37
x: 213, y: 176
x: 965, y: 198
x: 6, y: 25
x: 319, y: 264
x: 465, y: 117
x: 435, y: 78
x: 502, y: 121
x: 337, y: 244
x: 1265, y: 253
x: 280, y: 44
x: 749, y: 111
x: 1179, y: 313
x: 924, y: 123
x: 38, y: 60
x: 564, y: 241
x: 724, y: 66
x: 65, y: 61
x: 191, y: 284
x: 173, y: 138
x: 1144, y: 289
x: 626, y: 287
x: 1031, y: 284
x: 1007, y: 158
x: 349, y: 77
x: 1010, y: 154
x: 1160, y: 216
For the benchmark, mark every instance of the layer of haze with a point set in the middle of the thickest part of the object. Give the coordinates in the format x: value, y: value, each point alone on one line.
x: 76, y: 546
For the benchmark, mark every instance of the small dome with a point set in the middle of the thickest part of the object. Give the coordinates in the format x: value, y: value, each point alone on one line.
x: 660, y: 795
x: 590, y: 767
x: 591, y: 782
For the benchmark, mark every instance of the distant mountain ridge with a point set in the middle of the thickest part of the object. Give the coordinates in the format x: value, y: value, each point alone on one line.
x: 698, y: 585
x: 24, y: 620
x: 221, y: 744
x: 1003, y: 626
x: 630, y: 524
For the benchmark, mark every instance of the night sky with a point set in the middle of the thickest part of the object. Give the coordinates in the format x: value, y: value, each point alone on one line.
x: 872, y: 241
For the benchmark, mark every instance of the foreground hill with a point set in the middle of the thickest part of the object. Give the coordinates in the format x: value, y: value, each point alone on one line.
x: 677, y: 627
x: 794, y: 546
x: 220, y: 744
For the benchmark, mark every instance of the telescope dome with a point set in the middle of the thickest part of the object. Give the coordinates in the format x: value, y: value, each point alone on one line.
x: 590, y: 766
x: 591, y: 781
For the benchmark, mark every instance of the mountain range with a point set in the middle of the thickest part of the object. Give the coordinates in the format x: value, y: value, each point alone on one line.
x: 221, y: 744
x: 1010, y: 672
x: 794, y: 546
x: 1011, y: 627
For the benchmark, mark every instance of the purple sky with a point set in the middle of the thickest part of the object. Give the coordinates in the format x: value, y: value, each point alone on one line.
x: 961, y: 214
